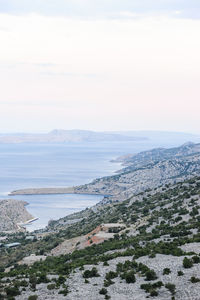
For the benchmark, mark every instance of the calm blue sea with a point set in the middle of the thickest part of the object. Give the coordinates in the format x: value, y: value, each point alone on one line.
x: 60, y: 165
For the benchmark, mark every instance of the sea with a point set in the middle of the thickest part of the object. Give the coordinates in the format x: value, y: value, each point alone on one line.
x: 62, y: 165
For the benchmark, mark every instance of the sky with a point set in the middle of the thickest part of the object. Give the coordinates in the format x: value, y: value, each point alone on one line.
x: 99, y: 65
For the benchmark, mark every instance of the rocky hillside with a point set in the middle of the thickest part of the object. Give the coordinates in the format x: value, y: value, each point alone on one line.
x: 13, y: 212
x: 148, y: 170
x: 146, y: 246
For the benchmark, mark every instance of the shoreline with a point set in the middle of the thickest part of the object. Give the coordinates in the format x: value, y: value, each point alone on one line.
x: 42, y: 191
x: 52, y: 191
x: 66, y: 190
x: 28, y: 222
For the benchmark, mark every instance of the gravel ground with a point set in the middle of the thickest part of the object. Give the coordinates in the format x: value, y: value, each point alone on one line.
x: 185, y: 289
x: 194, y: 247
x: 79, y: 290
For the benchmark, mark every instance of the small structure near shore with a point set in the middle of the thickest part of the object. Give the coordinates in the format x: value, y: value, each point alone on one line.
x: 30, y: 238
x: 12, y: 245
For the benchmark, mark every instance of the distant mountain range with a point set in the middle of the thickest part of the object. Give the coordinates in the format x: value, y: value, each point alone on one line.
x: 65, y: 136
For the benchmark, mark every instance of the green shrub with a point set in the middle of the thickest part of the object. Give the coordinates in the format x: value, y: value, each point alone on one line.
x: 130, y: 277
x: 91, y: 273
x: 154, y: 293
x: 33, y: 281
x: 148, y: 287
x: 166, y: 271
x: 196, y: 259
x: 42, y: 278
x: 108, y: 282
x: 150, y: 275
x: 171, y: 287
x: 61, y: 280
x: 194, y: 279
x: 51, y: 286
x: 180, y: 273
x: 103, y: 291
x: 33, y: 297
x: 111, y: 275
x: 64, y: 292
x: 23, y: 283
x: 187, y: 263
x: 12, y: 291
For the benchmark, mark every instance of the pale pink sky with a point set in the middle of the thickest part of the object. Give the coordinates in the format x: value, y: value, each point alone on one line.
x: 135, y: 73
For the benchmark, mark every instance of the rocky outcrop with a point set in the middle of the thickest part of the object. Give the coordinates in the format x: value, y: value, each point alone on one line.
x: 12, y: 213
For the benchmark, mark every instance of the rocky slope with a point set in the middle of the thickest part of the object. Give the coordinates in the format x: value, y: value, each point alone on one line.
x: 146, y: 170
x: 153, y: 250
x: 147, y: 246
x: 12, y: 213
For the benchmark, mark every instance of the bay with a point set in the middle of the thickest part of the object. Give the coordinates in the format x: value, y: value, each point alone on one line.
x: 61, y: 165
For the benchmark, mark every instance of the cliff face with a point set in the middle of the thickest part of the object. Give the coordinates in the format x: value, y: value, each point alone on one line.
x: 13, y: 212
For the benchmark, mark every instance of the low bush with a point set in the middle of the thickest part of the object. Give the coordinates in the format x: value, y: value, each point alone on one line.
x: 150, y: 275
x: 194, y: 279
x: 91, y: 273
x: 166, y: 271
x: 187, y: 263
x: 103, y: 291
x: 33, y: 297
x: 171, y: 287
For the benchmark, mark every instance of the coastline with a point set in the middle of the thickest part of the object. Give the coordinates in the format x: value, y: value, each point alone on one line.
x: 69, y: 190
x: 26, y: 223
x: 51, y: 191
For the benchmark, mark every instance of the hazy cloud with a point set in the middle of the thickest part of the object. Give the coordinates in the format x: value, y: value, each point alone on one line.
x: 102, y: 8
x: 136, y: 73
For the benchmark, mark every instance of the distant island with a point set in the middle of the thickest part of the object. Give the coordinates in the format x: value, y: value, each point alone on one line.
x: 65, y: 136
x: 80, y: 136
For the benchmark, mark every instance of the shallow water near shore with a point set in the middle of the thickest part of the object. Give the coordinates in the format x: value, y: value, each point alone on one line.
x: 61, y: 165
